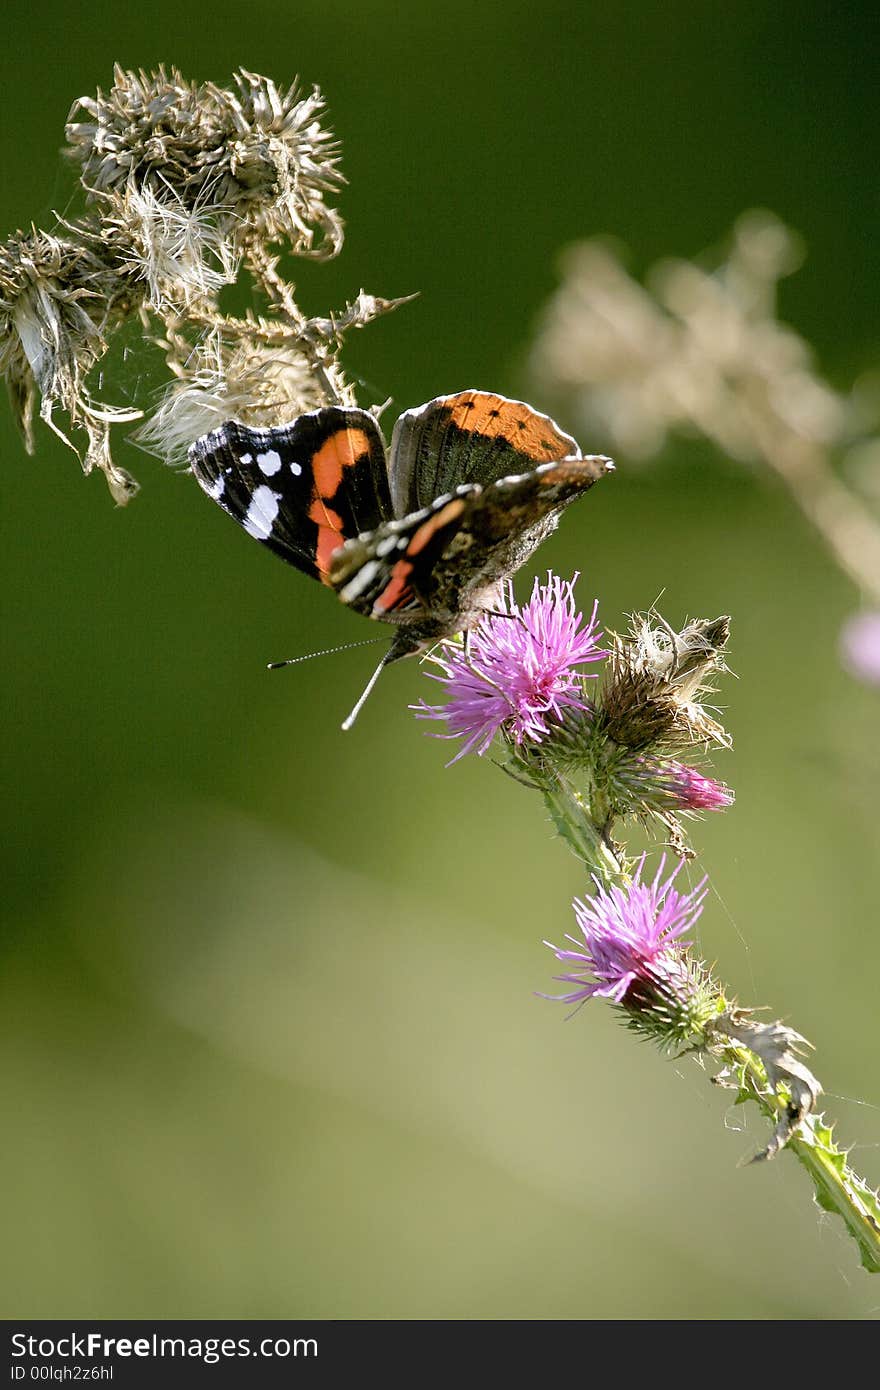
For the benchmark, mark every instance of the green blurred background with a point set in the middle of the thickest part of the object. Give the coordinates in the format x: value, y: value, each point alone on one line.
x: 269, y: 1042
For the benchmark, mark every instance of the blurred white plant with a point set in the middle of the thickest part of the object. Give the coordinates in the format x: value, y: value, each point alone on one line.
x: 186, y: 186
x: 701, y: 351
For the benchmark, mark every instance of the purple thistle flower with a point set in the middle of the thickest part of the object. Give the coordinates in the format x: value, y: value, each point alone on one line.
x: 518, y: 670
x: 860, y: 647
x: 630, y: 936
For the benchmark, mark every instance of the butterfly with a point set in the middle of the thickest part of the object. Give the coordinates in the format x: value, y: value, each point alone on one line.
x: 422, y: 535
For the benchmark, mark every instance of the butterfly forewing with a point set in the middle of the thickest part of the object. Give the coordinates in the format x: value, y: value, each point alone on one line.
x: 301, y: 489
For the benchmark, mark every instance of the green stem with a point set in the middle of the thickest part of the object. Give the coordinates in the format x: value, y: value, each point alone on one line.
x: 589, y: 841
x: 838, y: 1188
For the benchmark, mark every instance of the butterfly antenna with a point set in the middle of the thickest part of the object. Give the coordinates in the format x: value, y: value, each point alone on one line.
x: 347, y: 723
x: 327, y: 651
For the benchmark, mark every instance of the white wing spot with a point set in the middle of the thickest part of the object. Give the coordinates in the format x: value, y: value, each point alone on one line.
x: 269, y: 462
x: 390, y: 543
x: 364, y: 577
x: 261, y: 513
x: 215, y: 491
x: 246, y: 458
x: 296, y: 469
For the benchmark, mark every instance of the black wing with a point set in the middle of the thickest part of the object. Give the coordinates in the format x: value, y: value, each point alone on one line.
x: 301, y: 489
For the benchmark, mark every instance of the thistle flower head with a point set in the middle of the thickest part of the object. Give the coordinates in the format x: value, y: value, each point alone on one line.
x: 690, y: 790
x: 519, y: 670
x: 631, y: 939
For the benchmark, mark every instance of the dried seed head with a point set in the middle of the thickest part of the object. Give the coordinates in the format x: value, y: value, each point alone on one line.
x: 178, y: 253
x: 282, y: 163
x: 50, y: 308
x: 697, y: 350
x: 146, y: 121
x: 258, y: 157
x: 57, y: 297
x: 655, y: 676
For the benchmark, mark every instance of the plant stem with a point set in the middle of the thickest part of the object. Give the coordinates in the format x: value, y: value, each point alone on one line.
x: 589, y: 841
x: 837, y: 1187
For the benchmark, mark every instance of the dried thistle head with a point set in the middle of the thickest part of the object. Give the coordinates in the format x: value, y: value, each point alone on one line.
x: 282, y: 164
x: 186, y: 185
x: 58, y: 299
x: 50, y: 309
x: 178, y: 254
x: 655, y: 675
x: 255, y: 370
x: 258, y: 157
x: 149, y: 126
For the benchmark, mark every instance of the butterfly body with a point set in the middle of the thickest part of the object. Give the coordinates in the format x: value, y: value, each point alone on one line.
x: 420, y: 536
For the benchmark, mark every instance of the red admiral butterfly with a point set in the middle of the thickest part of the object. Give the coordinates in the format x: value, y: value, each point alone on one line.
x: 420, y: 536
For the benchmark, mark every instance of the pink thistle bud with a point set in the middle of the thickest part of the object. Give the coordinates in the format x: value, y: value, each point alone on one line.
x: 689, y: 790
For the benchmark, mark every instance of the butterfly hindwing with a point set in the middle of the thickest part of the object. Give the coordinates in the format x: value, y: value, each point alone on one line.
x: 387, y: 573
x: 442, y: 561
x: 470, y: 436
x: 510, y: 518
x: 301, y: 489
